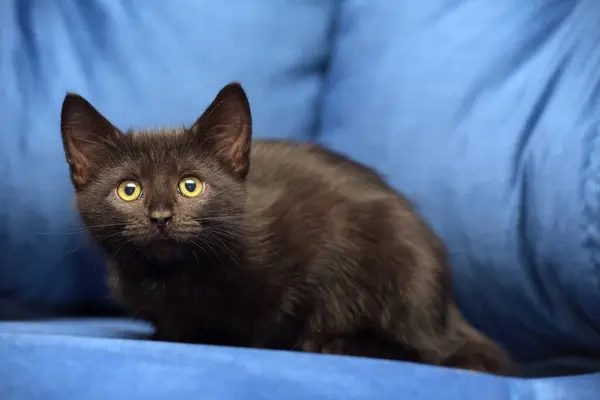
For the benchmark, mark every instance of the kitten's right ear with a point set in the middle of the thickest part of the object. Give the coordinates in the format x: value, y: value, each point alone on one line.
x: 86, y: 136
x: 226, y: 127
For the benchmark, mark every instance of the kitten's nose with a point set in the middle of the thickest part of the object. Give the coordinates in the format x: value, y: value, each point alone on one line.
x: 161, y: 218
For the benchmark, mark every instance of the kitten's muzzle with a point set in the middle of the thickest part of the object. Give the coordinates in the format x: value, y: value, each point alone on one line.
x: 161, y: 218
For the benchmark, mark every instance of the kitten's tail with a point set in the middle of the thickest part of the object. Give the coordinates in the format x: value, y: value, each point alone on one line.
x: 475, y: 351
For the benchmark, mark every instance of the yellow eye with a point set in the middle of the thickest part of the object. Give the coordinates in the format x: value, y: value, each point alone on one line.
x: 190, y: 187
x: 129, y: 191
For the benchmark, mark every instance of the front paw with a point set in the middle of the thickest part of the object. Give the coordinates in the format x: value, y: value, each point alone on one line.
x: 331, y: 347
x: 160, y: 335
x: 336, y: 346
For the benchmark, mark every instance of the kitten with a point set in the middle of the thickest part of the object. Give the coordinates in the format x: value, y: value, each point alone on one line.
x: 269, y: 244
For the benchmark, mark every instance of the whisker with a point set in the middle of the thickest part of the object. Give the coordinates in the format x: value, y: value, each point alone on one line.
x: 224, y: 218
x: 82, y: 229
x: 227, y: 234
x: 227, y: 251
x: 70, y: 252
x: 208, y: 246
x: 112, y: 235
x: 119, y: 248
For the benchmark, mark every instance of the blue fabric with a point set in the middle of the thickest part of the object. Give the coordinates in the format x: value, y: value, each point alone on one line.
x: 60, y: 360
x: 143, y: 64
x: 487, y: 114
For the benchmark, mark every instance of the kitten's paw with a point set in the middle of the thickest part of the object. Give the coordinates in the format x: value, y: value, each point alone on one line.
x: 160, y: 336
x: 309, y: 346
x: 335, y: 346
x: 338, y: 345
x: 332, y: 346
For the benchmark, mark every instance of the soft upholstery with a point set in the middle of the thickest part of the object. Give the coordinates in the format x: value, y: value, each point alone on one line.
x: 96, y: 359
x: 143, y: 65
x: 485, y: 113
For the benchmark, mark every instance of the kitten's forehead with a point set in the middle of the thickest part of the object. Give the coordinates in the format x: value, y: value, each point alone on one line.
x: 159, y: 141
x: 160, y: 148
x: 153, y: 138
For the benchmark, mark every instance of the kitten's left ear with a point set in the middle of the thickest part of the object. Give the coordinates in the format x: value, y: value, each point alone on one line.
x: 87, y: 137
x: 226, y: 127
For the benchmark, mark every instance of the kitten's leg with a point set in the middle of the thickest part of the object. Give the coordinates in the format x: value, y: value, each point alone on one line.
x: 394, y: 281
x: 476, y: 352
x: 430, y: 323
x: 192, y: 334
x: 461, y: 346
x: 417, y: 308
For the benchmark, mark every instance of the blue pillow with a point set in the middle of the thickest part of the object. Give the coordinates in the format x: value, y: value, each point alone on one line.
x: 143, y: 64
x: 487, y: 115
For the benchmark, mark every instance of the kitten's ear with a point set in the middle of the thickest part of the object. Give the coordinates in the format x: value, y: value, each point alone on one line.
x: 86, y: 135
x: 226, y: 126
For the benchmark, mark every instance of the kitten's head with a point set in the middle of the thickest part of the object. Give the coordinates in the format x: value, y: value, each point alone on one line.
x: 163, y: 194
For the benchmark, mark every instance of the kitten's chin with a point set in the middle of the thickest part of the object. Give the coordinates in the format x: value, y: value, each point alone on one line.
x: 164, y: 250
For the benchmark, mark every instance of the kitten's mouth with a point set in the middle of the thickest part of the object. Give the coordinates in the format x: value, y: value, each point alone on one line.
x: 162, y: 247
x: 163, y: 238
x: 162, y: 232
x: 154, y: 240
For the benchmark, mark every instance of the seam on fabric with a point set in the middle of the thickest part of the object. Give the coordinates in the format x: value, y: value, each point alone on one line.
x: 332, y: 42
x: 590, y: 195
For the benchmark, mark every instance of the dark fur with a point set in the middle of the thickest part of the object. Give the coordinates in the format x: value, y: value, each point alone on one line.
x: 304, y: 250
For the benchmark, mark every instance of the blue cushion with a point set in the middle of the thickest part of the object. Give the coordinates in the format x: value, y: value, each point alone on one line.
x: 486, y: 113
x: 143, y: 64
x: 103, y: 359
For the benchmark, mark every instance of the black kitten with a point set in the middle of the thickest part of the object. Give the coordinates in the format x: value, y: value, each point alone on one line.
x: 279, y: 245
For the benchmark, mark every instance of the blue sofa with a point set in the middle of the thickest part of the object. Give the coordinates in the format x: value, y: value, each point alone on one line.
x: 485, y: 113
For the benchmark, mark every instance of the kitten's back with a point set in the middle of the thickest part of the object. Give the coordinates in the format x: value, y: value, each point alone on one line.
x: 311, y: 170
x: 317, y: 197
